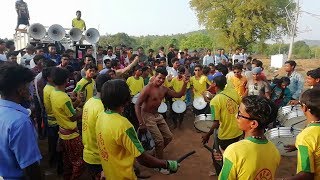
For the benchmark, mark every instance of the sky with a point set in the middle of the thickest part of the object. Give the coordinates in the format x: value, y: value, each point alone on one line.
x: 134, y: 17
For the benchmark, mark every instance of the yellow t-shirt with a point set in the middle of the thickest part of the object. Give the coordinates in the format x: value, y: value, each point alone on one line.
x: 250, y: 159
x: 47, y: 104
x: 135, y: 85
x: 118, y: 145
x: 63, y: 110
x: 308, y: 145
x: 91, y: 109
x: 199, y: 85
x: 224, y: 110
x: 89, y: 89
x: 177, y: 84
x: 80, y: 24
x: 239, y: 84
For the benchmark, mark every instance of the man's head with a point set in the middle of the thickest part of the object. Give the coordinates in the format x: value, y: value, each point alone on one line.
x: 171, y: 47
x: 310, y: 103
x: 182, y: 55
x: 89, y: 51
x: 198, y: 70
x: 150, y: 52
x: 209, y: 52
x: 30, y: 49
x: 237, y: 70
x: 10, y: 45
x: 91, y: 70
x: 2, y: 45
x: 12, y: 57
x: 212, y: 68
x: 163, y: 62
x: 237, y: 50
x: 206, y: 70
x: 175, y: 63
x: 100, y: 50
x: 101, y: 79
x: 59, y: 76
x: 39, y: 50
x: 313, y: 77
x: 88, y: 59
x: 256, y: 73
x: 256, y: 112
x: 256, y: 63
x: 222, y: 68
x: 118, y: 50
x: 289, y: 66
x: 140, y: 51
x: 70, y: 52
x: 145, y: 71
x: 115, y: 94
x: 181, y: 71
x: 78, y: 14
x: 161, y: 49
x: 38, y: 60
x: 15, y: 81
x: 107, y: 63
x: 65, y: 59
x: 112, y: 73
x: 137, y: 71
x: 219, y: 82
x: 160, y: 76
x: 52, y: 49
x: 284, y: 82
x: 109, y: 50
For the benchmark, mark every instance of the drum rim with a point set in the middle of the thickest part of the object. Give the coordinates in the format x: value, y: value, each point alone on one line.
x: 202, y: 100
x: 165, y: 105
x: 194, y: 125
x: 178, y: 101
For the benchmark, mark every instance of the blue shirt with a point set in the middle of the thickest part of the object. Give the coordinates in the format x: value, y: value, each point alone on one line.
x: 56, y: 58
x: 18, y: 142
x: 296, y: 85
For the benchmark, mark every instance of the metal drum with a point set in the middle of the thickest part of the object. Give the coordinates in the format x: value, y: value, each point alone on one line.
x: 162, y: 108
x: 179, y: 106
x: 199, y: 103
x: 292, y: 116
x: 203, y: 122
x: 282, y: 136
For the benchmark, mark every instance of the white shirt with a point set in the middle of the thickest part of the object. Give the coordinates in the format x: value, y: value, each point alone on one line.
x: 172, y: 72
x: 218, y: 58
x: 113, y: 56
x: 32, y: 64
x: 3, y: 57
x: 25, y: 58
x: 236, y: 56
x: 244, y: 56
x: 208, y: 60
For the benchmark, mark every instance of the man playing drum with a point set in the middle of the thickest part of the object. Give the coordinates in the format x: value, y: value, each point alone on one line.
x: 177, y: 84
x: 307, y: 142
x: 224, y: 107
x: 147, y: 109
x: 253, y: 157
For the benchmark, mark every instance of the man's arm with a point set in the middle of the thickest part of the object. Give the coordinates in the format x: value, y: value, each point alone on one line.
x: 182, y: 92
x: 119, y: 72
x: 85, y: 27
x: 297, y: 93
x: 141, y: 99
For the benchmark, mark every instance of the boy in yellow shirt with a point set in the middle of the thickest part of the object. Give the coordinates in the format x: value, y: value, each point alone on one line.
x: 91, y: 109
x: 136, y: 84
x: 238, y: 81
x: 254, y: 157
x: 87, y: 85
x: 117, y: 140
x: 78, y: 22
x: 308, y: 141
x: 199, y: 83
x: 66, y: 116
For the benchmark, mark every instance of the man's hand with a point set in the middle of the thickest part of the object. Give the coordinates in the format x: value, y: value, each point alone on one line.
x: 102, y: 177
x: 172, y: 166
x: 142, y: 128
x: 290, y: 148
x: 186, y: 78
x: 293, y: 102
x: 205, y: 138
x: 169, y: 77
x: 217, y: 156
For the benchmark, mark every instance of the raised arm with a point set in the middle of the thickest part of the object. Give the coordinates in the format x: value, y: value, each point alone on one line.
x: 182, y: 92
x: 119, y: 72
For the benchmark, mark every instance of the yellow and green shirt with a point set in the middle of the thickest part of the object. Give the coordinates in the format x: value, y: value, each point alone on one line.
x: 239, y: 84
x: 91, y: 109
x: 177, y: 85
x: 63, y: 110
x: 47, y: 104
x: 199, y: 85
x: 118, y: 145
x: 224, y: 108
x: 135, y: 85
x: 250, y: 159
x: 80, y: 24
x: 308, y: 145
x: 88, y: 89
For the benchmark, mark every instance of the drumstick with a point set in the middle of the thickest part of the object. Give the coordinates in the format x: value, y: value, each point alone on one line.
x: 185, y: 156
x: 208, y: 148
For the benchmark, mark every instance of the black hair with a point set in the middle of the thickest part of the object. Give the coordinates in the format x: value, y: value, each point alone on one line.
x: 238, y: 66
x: 208, y: 50
x: 150, y: 50
x: 222, y: 68
x: 115, y: 93
x: 161, y: 70
x: 162, y: 59
x: 69, y: 51
x: 111, y: 70
x: 220, y: 82
x: 145, y: 68
x: 161, y: 48
x: 157, y: 61
x: 137, y: 67
x: 100, y: 80
x: 48, y: 63
x: 181, y: 69
x: 90, y: 66
x: 173, y: 60
x: 257, y: 62
x: 9, y: 43
x: 206, y: 70
x: 88, y: 55
x: 311, y: 99
x: 132, y: 57
x: 13, y: 53
x: 109, y: 47
x: 59, y: 75
x: 199, y: 66
x: 51, y: 45
x: 114, y: 63
x: 106, y: 60
x: 285, y: 80
x: 12, y: 76
x: 292, y: 63
x: 211, y: 64
x: 315, y: 73
x: 171, y: 46
x: 46, y: 72
x: 181, y: 53
x: 78, y: 11
x: 65, y: 55
x: 37, y: 58
x: 261, y: 109
x: 70, y: 69
x: 140, y: 47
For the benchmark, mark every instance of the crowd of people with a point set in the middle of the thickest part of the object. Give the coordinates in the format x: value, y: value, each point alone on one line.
x: 85, y: 109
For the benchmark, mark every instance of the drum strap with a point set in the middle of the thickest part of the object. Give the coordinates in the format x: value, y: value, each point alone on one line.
x: 229, y: 97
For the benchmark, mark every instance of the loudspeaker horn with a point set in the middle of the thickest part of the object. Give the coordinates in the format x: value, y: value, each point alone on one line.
x: 92, y: 35
x: 56, y: 32
x: 75, y: 34
x: 37, y: 31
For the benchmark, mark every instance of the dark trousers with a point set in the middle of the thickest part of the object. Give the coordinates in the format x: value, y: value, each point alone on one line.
x: 176, y: 117
x: 94, y: 171
x: 130, y: 114
x: 55, y: 157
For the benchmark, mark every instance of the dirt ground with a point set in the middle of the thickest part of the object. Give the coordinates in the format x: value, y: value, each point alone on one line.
x: 197, y: 166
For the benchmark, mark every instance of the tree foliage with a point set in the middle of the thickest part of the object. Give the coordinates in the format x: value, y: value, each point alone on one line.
x: 239, y: 22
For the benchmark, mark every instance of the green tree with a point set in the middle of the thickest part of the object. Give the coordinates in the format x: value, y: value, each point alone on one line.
x: 196, y: 41
x: 117, y: 39
x: 242, y: 22
x: 301, y: 50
